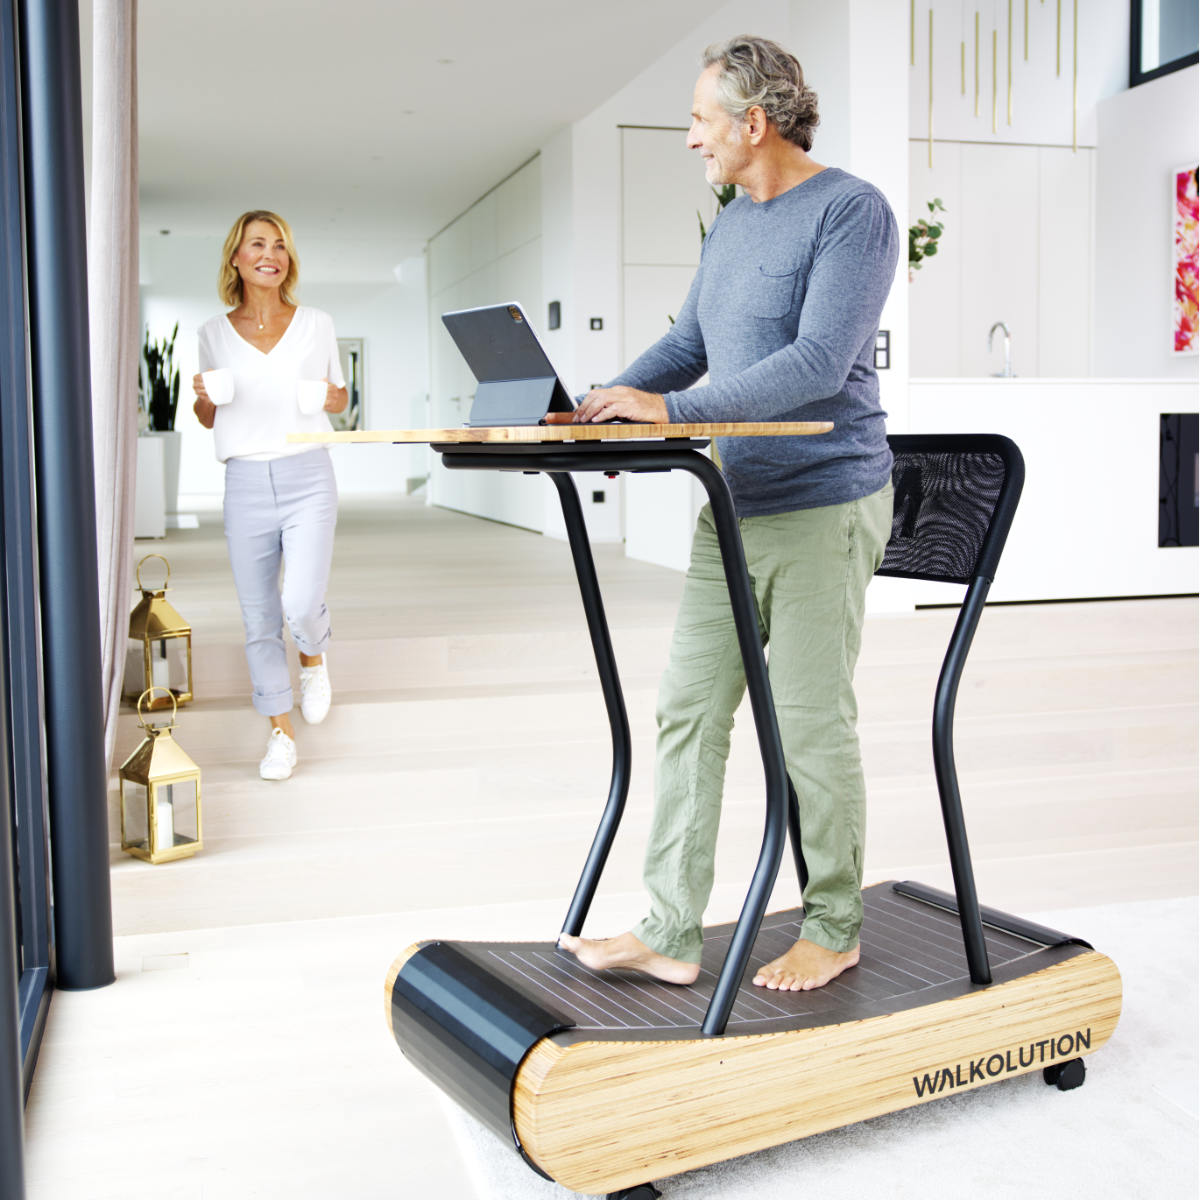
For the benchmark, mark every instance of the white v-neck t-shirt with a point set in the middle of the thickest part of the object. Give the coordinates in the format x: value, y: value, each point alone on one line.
x: 264, y: 409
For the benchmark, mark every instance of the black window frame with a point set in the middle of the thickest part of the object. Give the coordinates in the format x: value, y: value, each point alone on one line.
x: 1136, y: 74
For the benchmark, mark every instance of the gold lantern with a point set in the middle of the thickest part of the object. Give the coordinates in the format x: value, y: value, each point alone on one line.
x: 159, y: 654
x: 160, y: 794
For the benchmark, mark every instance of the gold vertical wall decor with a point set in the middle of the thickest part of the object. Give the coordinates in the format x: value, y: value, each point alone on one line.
x: 977, y: 10
x: 962, y: 47
x: 1058, y: 38
x: 1075, y: 82
x: 931, y: 86
x: 1010, y: 4
x: 977, y: 62
x: 995, y: 83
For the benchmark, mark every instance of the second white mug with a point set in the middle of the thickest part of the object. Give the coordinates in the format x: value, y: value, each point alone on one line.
x: 311, y: 395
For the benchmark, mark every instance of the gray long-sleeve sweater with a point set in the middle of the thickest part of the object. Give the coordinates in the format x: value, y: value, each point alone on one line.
x: 783, y: 314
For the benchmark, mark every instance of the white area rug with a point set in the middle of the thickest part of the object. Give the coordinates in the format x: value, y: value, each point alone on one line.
x: 1129, y: 1132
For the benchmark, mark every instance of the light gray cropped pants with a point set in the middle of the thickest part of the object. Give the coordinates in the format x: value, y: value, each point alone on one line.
x: 283, y: 511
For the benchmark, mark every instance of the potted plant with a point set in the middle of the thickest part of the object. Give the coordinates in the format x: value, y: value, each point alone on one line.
x: 158, y: 400
x: 158, y: 395
x: 923, y: 237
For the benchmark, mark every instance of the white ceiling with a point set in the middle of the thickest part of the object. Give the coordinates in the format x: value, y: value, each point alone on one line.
x: 369, y: 119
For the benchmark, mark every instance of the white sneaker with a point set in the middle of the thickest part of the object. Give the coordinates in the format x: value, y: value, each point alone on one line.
x: 280, y: 757
x: 315, y: 693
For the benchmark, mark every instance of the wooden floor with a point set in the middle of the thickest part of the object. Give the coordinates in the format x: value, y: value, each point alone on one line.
x: 453, y: 791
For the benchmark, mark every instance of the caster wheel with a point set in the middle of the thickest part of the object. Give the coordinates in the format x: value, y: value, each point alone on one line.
x: 1066, y: 1076
x: 643, y: 1191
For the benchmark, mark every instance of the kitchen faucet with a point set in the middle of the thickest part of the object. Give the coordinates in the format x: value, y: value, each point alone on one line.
x: 1007, y: 372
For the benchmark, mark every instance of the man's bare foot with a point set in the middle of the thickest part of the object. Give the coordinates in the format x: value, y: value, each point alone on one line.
x: 804, y: 967
x: 628, y: 952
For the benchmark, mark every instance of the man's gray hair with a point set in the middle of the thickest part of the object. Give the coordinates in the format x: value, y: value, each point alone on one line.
x: 755, y: 71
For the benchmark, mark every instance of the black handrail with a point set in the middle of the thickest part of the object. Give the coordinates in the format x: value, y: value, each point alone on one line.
x: 980, y: 577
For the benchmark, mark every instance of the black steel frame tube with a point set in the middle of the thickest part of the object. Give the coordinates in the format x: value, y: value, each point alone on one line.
x: 551, y: 458
x: 12, y: 1122
x: 614, y: 703
x: 24, y: 934
x: 947, y: 780
x: 20, y: 631
x: 12, y: 1093
x: 66, y: 502
x: 770, y: 744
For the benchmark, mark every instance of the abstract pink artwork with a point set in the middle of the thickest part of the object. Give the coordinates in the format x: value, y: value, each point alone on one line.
x: 1185, y: 262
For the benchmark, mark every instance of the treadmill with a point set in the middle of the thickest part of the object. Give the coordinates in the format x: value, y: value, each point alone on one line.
x: 608, y: 1082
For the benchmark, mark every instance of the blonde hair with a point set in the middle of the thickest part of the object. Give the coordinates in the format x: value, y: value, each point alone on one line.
x: 229, y: 282
x: 755, y: 71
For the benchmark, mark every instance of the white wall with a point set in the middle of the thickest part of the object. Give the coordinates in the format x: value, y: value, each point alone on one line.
x: 178, y: 283
x: 1144, y: 133
x: 490, y: 254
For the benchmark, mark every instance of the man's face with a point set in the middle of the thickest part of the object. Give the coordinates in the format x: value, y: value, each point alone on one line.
x: 719, y: 138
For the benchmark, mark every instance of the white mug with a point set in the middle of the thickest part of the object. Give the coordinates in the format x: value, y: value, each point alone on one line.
x: 219, y: 385
x: 311, y: 395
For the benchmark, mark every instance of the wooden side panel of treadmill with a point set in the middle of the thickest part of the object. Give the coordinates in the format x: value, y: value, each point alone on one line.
x: 389, y: 983
x: 602, y: 1115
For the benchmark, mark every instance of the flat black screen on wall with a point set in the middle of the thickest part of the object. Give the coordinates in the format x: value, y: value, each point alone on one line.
x: 1178, y: 479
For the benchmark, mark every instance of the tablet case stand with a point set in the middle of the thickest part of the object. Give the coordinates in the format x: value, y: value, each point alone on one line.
x: 518, y: 401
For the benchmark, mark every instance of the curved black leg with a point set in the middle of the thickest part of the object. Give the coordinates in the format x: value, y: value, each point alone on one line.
x: 947, y: 781
x: 614, y: 702
x: 745, y: 615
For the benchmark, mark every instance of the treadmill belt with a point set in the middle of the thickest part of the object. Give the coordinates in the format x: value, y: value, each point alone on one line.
x: 912, y: 954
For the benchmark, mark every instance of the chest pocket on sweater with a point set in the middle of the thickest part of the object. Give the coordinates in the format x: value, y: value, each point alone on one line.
x: 775, y: 289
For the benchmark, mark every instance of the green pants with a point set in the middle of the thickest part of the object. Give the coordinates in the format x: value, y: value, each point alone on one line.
x: 809, y: 571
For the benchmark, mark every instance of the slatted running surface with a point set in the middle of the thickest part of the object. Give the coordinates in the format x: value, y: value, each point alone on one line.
x: 912, y: 954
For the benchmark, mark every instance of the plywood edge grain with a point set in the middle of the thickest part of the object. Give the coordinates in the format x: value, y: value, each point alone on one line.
x: 389, y: 982
x: 515, y: 434
x: 599, y: 1116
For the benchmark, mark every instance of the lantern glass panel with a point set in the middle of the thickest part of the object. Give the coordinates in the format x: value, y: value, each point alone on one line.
x: 169, y: 660
x: 176, y: 814
x: 135, y: 668
x: 169, y: 668
x: 135, y: 819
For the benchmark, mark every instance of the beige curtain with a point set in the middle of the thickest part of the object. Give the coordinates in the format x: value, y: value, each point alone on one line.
x: 115, y: 327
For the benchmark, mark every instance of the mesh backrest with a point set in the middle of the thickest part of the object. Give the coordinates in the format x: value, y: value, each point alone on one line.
x: 945, y: 500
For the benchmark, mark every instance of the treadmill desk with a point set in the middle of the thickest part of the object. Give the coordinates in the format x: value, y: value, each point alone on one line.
x: 603, y: 1082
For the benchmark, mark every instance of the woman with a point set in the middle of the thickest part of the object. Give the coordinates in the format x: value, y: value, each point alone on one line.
x: 280, y: 498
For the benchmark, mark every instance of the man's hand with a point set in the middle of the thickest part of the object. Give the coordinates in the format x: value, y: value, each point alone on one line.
x: 603, y: 404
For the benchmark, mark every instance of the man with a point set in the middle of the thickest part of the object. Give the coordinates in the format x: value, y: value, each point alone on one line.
x: 782, y: 314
